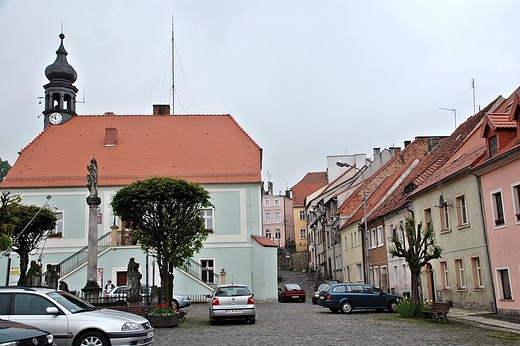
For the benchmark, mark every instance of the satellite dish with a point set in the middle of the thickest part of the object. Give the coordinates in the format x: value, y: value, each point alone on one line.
x: 441, y: 201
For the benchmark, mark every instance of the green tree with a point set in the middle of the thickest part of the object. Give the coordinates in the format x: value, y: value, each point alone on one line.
x: 27, y: 225
x: 165, y: 216
x: 4, y: 168
x: 417, y: 245
x: 6, y: 227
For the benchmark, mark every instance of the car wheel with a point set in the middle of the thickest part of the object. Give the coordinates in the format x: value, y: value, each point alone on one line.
x: 334, y: 310
x: 252, y: 321
x: 92, y: 338
x: 346, y: 307
x: 279, y: 299
x: 175, y: 304
x: 392, y: 306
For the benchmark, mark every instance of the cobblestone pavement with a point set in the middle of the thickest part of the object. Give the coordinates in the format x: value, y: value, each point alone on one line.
x: 308, y: 324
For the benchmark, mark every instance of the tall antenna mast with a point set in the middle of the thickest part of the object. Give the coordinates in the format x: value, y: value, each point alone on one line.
x: 454, y: 113
x: 473, y: 87
x: 173, y: 70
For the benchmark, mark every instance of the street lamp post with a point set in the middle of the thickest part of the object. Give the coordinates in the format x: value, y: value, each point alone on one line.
x: 367, y: 256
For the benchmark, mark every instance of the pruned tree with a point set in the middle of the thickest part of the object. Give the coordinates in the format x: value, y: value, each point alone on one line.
x: 165, y: 216
x: 27, y: 225
x: 417, y: 245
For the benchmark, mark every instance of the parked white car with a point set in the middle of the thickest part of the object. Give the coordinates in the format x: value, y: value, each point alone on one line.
x: 73, y: 321
x: 231, y: 302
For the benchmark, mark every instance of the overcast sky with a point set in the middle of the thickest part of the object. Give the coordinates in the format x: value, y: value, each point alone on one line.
x: 305, y: 79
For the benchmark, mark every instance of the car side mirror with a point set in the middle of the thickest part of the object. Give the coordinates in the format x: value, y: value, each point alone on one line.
x: 52, y: 310
x: 208, y: 295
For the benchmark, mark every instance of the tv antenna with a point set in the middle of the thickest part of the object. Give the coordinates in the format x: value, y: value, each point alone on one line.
x: 454, y: 113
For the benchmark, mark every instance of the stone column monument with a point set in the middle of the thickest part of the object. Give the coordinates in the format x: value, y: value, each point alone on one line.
x: 92, y: 288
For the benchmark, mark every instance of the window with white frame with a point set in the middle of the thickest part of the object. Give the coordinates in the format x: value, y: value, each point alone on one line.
x: 268, y: 233
x: 302, y: 214
x: 405, y: 271
x: 373, y: 238
x: 498, y: 208
x: 277, y: 233
x: 461, y: 275
x: 360, y: 238
x: 444, y: 275
x: 395, y: 275
x: 267, y: 216
x: 444, y: 214
x: 516, y: 201
x: 276, y: 202
x: 359, y: 271
x: 478, y: 277
x: 428, y: 217
x: 58, y: 230
x: 277, y: 216
x: 303, y: 233
x: 207, y: 214
x: 376, y: 277
x: 267, y: 203
x: 504, y: 284
x: 380, y: 236
x: 462, y: 212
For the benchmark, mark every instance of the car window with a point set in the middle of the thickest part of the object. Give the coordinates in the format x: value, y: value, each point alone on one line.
x: 373, y: 290
x: 339, y: 289
x: 70, y: 302
x: 4, y: 303
x: 30, y: 304
x: 291, y: 287
x: 355, y: 289
x: 232, y: 291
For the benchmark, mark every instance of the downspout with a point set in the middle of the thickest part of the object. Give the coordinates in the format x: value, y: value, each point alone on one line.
x: 486, y: 241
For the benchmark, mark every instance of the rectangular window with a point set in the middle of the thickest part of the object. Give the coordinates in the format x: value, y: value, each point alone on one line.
x: 444, y: 214
x: 404, y: 270
x: 302, y: 214
x: 444, y: 275
x: 303, y: 233
x: 373, y: 238
x: 359, y: 271
x: 276, y: 202
x: 267, y: 216
x: 267, y: 202
x: 516, y: 201
x: 268, y: 233
x: 352, y: 237
x: 478, y: 277
x: 360, y: 238
x: 498, y: 207
x: 207, y: 214
x: 493, y: 146
x: 428, y: 217
x: 277, y: 216
x: 395, y: 275
x: 58, y: 230
x: 504, y: 284
x: 461, y: 275
x: 277, y: 234
x: 376, y: 277
x: 462, y: 213
x: 380, y: 236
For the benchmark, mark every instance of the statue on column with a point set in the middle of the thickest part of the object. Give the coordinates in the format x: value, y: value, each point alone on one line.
x: 133, y: 287
x: 92, y: 178
x: 34, y: 274
x: 51, y: 277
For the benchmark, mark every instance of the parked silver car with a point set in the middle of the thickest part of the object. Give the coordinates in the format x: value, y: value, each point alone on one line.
x: 179, y: 300
x: 71, y: 320
x: 231, y: 302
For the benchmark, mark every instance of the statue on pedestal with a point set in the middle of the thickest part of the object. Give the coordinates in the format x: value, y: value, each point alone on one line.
x: 133, y: 287
x: 51, y: 277
x: 92, y: 178
x: 34, y: 274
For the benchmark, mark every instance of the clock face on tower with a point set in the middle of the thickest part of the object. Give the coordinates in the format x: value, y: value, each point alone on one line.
x: 55, y: 118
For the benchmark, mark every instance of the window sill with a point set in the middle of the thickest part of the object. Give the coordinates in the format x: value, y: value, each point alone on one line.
x: 480, y: 289
x: 448, y: 230
x: 463, y: 226
x: 464, y: 289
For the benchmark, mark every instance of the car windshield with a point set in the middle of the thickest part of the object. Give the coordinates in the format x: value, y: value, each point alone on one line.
x: 292, y: 287
x: 70, y: 302
x: 233, y: 291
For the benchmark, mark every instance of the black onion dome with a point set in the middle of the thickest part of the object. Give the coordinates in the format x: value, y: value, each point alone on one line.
x: 61, y: 68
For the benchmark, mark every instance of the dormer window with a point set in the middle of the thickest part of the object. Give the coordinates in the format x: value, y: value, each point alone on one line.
x: 493, y: 145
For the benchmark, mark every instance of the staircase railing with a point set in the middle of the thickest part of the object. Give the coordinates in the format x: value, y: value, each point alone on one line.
x: 195, y: 269
x: 80, y: 257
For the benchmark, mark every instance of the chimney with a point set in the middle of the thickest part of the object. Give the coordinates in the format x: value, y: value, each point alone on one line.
x: 395, y: 151
x: 270, y: 188
x: 110, y: 136
x: 433, y: 142
x: 407, y: 143
x: 161, y: 109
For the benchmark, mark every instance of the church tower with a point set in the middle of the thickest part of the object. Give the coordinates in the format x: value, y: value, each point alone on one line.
x: 60, y: 94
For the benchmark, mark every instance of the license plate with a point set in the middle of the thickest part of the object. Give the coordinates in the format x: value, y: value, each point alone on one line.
x: 233, y: 311
x: 296, y: 297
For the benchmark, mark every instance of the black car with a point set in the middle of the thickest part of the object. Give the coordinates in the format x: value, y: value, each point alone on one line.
x: 14, y: 333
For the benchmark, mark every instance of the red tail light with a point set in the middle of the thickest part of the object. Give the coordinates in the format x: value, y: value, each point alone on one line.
x: 250, y: 300
x: 327, y: 297
x: 215, y: 301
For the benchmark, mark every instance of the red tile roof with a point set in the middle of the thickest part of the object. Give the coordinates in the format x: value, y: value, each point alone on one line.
x: 197, y: 148
x: 264, y: 241
x: 311, y: 182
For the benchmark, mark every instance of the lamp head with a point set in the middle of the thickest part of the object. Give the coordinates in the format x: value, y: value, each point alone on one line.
x: 342, y: 164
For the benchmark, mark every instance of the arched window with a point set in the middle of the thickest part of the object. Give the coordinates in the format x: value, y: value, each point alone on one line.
x: 268, y: 233
x: 277, y: 234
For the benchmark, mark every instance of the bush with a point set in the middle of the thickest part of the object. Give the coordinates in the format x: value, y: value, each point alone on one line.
x: 405, y: 308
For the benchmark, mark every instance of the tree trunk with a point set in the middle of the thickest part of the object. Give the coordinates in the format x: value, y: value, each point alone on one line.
x: 415, y: 290
x: 24, y: 262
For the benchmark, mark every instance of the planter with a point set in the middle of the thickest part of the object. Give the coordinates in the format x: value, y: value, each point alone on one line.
x: 163, y: 321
